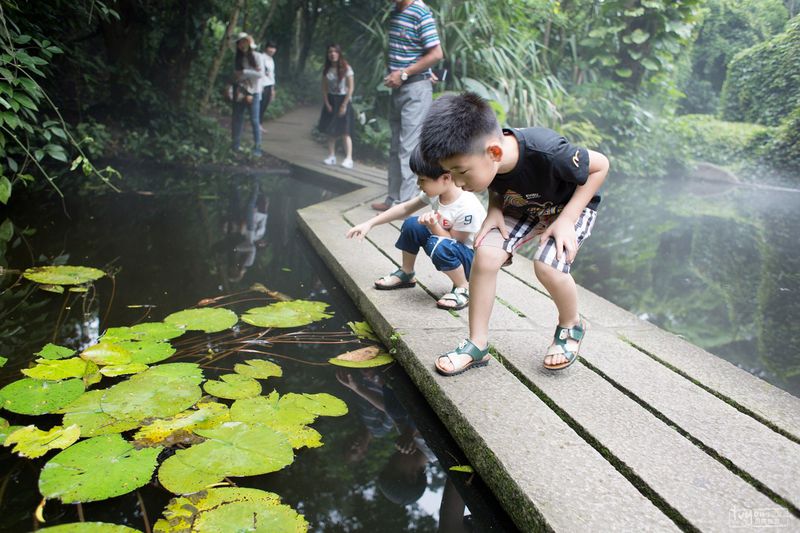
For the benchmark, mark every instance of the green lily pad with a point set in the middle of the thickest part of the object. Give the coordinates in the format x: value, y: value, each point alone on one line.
x: 287, y: 314
x: 159, y: 392
x: 258, y: 369
x: 289, y: 420
x: 6, y: 429
x: 52, y: 351
x: 30, y: 396
x: 122, y: 370
x: 230, y: 509
x: 232, y: 449
x: 79, y: 289
x: 56, y: 370
x: 363, y: 331
x: 86, y: 413
x: 146, y: 331
x: 32, y: 442
x: 209, y: 320
x: 58, y: 289
x: 322, y: 404
x: 179, y: 428
x: 3, y: 361
x: 148, y: 352
x: 97, y: 469
x: 63, y: 275
x: 89, y: 527
x: 106, y: 353
x: 462, y: 468
x: 233, y: 387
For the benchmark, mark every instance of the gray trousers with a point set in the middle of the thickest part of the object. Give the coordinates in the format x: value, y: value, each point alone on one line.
x: 410, y: 104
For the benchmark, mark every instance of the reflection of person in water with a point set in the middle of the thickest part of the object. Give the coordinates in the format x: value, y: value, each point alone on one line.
x: 245, y: 230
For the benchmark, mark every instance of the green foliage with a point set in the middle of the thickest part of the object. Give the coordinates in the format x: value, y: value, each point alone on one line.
x: 783, y: 152
x: 763, y: 83
x: 704, y: 138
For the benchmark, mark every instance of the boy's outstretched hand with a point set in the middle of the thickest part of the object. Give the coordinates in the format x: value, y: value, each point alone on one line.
x: 563, y: 232
x: 494, y: 219
x: 430, y: 219
x: 359, y: 231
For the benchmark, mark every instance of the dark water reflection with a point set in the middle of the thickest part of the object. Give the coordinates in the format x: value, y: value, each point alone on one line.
x: 717, y: 263
x: 169, y: 251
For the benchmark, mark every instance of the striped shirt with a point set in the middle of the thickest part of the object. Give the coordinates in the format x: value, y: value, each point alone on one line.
x: 411, y: 32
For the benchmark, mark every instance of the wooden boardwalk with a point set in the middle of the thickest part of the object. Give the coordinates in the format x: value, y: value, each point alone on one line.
x: 646, y: 432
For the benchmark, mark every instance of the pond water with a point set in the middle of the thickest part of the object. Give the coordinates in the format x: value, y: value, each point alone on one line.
x: 168, y: 251
x: 717, y: 263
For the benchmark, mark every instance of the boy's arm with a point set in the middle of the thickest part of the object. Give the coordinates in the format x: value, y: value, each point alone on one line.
x: 395, y: 212
x: 562, y: 230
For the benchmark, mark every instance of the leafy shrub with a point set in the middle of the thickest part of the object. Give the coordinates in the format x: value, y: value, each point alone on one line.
x: 705, y: 138
x: 763, y: 83
x: 783, y: 152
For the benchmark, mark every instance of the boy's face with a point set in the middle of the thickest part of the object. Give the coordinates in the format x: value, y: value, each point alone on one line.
x: 474, y: 171
x: 433, y: 186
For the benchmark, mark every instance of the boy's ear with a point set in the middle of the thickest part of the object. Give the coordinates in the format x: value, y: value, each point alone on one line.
x: 495, y: 151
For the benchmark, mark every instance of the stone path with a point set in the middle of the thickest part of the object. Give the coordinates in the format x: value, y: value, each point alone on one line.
x: 645, y: 432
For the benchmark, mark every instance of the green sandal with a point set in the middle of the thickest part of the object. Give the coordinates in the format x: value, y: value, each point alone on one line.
x: 479, y: 358
x: 459, y: 296
x: 559, y: 346
x: 406, y: 281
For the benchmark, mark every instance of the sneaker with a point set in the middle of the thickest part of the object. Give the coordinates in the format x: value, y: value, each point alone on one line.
x: 331, y: 160
x: 380, y: 206
x: 347, y: 163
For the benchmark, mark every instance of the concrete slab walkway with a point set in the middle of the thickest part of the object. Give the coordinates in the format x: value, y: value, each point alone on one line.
x: 646, y: 432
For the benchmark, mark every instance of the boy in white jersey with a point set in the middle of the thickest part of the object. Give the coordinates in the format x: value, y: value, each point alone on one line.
x: 446, y: 232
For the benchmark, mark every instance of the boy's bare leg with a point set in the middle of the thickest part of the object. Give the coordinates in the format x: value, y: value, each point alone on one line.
x: 564, y: 292
x: 331, y: 146
x: 482, y: 286
x: 407, y: 266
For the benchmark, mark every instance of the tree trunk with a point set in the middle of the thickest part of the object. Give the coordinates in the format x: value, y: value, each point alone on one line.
x: 212, y: 73
x: 262, y: 33
x: 310, y: 17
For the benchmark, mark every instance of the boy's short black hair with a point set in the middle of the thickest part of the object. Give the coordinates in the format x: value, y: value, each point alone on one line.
x: 271, y: 44
x: 423, y: 167
x: 455, y: 124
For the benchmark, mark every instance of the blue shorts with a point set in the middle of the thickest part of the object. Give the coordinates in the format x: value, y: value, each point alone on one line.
x: 445, y: 253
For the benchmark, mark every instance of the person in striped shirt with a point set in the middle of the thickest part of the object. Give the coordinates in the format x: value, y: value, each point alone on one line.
x: 414, y: 48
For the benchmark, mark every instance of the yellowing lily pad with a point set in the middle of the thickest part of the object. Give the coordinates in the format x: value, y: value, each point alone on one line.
x: 233, y: 387
x: 363, y: 331
x: 122, y: 370
x: 97, y: 469
x: 106, y: 353
x: 89, y: 527
x: 230, y: 509
x: 232, y: 449
x: 258, y: 369
x: 179, y: 428
x: 55, y: 370
x: 30, y: 396
x: 368, y: 357
x: 322, y: 404
x: 32, y: 442
x: 287, y: 314
x: 62, y: 275
x: 209, y: 320
x: 52, y: 351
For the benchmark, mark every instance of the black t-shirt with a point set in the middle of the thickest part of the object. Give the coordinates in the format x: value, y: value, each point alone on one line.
x: 547, y: 173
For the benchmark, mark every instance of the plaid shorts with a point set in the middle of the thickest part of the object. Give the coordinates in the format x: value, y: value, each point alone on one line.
x: 525, y: 229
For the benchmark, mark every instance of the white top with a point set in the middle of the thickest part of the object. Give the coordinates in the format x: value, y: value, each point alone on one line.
x: 269, y: 70
x: 466, y: 213
x: 335, y: 85
x: 253, y: 76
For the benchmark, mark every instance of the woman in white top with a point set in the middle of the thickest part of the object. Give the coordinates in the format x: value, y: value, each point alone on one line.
x: 249, y: 75
x: 336, y: 118
x: 268, y: 93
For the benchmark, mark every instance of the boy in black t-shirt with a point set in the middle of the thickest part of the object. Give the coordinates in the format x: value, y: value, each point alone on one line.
x: 539, y: 185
